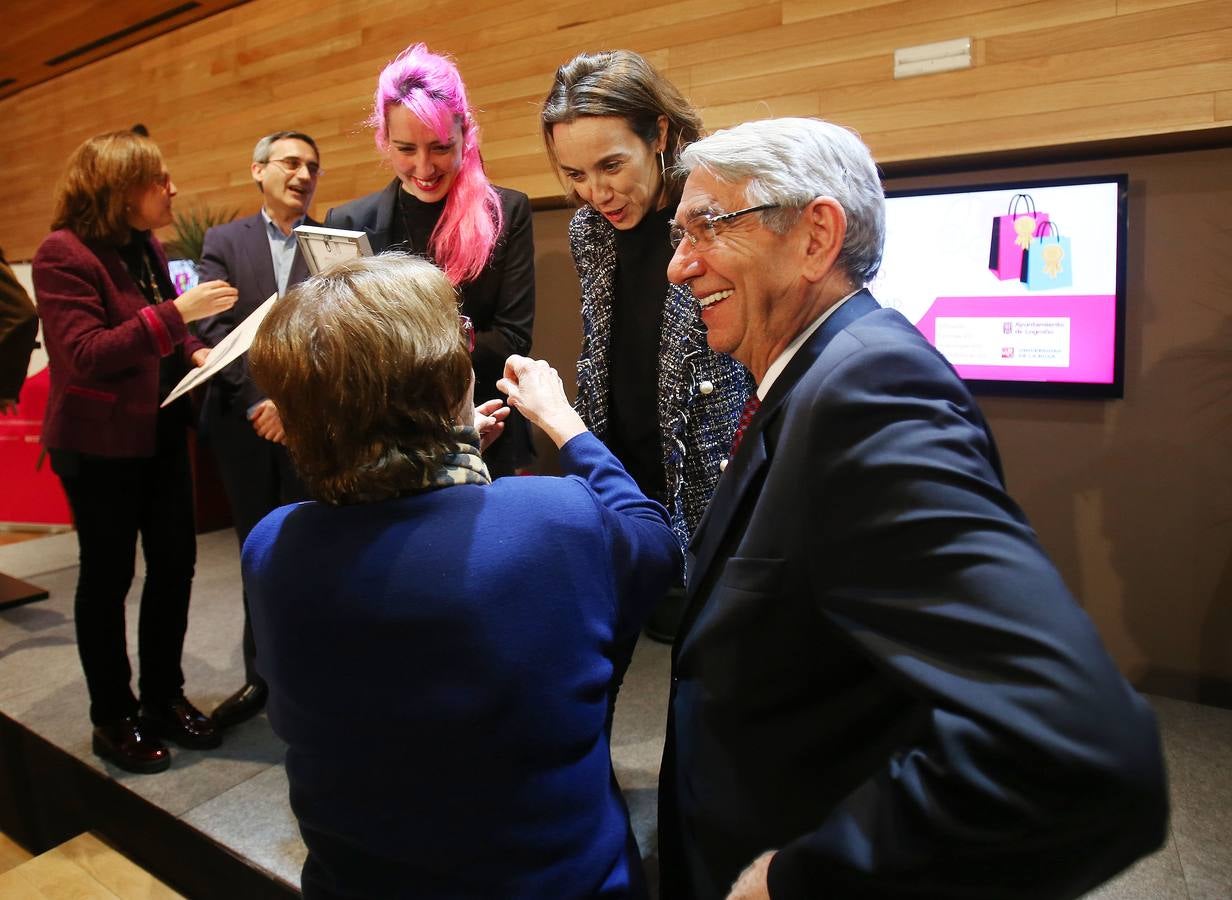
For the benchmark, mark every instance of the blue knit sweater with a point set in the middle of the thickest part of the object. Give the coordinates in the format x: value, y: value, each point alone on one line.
x: 438, y: 665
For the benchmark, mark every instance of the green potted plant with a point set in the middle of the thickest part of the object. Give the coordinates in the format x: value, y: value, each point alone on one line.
x: 190, y: 228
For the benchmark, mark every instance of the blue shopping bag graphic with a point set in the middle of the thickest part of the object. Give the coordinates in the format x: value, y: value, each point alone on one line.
x: 1048, y: 261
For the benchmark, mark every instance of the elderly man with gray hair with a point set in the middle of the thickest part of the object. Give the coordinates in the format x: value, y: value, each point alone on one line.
x: 258, y: 256
x: 881, y: 687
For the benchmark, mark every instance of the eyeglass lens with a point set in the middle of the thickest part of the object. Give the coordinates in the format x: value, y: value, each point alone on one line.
x: 701, y: 230
x: 293, y: 164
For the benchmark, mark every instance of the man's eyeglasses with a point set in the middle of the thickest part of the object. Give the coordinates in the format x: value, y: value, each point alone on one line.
x: 467, y: 328
x: 292, y: 164
x: 701, y: 229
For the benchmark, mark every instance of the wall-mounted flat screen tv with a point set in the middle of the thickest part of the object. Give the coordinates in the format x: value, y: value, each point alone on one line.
x: 1020, y: 285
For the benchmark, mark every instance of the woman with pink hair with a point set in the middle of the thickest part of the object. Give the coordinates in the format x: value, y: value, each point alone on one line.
x: 442, y: 206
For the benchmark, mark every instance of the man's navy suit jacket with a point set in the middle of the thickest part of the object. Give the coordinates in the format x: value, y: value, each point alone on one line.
x: 880, y: 673
x: 239, y: 254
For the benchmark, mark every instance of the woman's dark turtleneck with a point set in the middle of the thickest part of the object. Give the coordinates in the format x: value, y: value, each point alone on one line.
x: 414, y: 221
x: 642, y: 255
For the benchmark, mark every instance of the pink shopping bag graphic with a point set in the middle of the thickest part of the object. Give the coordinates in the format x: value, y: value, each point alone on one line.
x: 1011, y: 236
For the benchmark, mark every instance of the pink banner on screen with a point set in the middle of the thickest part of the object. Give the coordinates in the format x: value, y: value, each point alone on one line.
x: 1092, y: 334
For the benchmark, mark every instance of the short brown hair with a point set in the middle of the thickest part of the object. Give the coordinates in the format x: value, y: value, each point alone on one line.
x: 366, y: 365
x: 622, y: 83
x: 99, y: 179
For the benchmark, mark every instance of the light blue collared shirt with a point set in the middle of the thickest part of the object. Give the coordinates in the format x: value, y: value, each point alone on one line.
x: 282, y: 249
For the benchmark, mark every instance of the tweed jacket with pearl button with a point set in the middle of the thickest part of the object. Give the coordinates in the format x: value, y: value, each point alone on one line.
x: 701, y: 392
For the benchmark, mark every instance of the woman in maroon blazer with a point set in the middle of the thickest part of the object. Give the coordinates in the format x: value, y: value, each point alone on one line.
x: 117, y: 342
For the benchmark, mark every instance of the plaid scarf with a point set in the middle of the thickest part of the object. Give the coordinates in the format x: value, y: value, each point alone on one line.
x: 462, y: 465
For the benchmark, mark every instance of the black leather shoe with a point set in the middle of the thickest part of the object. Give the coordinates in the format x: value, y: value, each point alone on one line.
x: 182, y: 723
x: 124, y: 743
x: 241, y: 706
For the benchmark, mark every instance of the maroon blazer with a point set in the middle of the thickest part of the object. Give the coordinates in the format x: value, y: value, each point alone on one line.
x: 104, y: 342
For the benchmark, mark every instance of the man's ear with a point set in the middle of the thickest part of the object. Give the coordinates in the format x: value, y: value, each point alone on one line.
x: 256, y: 169
x: 825, y: 227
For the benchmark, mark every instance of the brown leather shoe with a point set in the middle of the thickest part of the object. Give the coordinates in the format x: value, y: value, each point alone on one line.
x: 124, y: 743
x: 241, y: 706
x: 182, y: 723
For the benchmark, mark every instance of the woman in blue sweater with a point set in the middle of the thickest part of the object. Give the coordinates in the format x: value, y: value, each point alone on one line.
x: 438, y: 646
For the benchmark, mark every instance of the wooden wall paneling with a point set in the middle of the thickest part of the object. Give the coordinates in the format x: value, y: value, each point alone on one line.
x: 888, y: 26
x: 29, y: 20
x: 534, y: 85
x: 856, y: 36
x: 1223, y: 106
x: 512, y: 119
x: 1128, y: 7
x: 210, y: 35
x: 533, y: 78
x: 277, y: 62
x: 261, y: 113
x: 1048, y: 82
x: 531, y: 165
x: 1150, y: 52
x: 541, y: 186
x: 438, y: 24
x: 1168, y: 114
x: 37, y: 32
x: 799, y: 10
x: 515, y: 145
x: 902, y: 12
x: 86, y: 96
x: 524, y: 145
x: 526, y: 92
x: 727, y: 114
x: 479, y: 74
x: 1046, y: 101
x: 352, y: 151
x: 622, y: 30
x: 1103, y: 34
x: 825, y: 77
x: 208, y: 90
x: 655, y: 42
x: 547, y: 25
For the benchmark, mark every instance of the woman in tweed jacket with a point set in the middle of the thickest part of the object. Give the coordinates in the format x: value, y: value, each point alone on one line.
x: 701, y: 392
x: 648, y: 384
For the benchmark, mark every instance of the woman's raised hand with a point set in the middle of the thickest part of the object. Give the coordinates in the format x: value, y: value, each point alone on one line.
x: 534, y: 389
x: 207, y: 299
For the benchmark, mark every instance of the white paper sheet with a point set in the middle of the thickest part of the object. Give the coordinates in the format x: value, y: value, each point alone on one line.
x: 229, y: 349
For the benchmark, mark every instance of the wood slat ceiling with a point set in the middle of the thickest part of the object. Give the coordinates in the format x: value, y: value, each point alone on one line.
x: 44, y: 38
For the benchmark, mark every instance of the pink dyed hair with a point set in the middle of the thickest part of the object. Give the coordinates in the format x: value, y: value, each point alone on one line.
x: 429, y: 86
